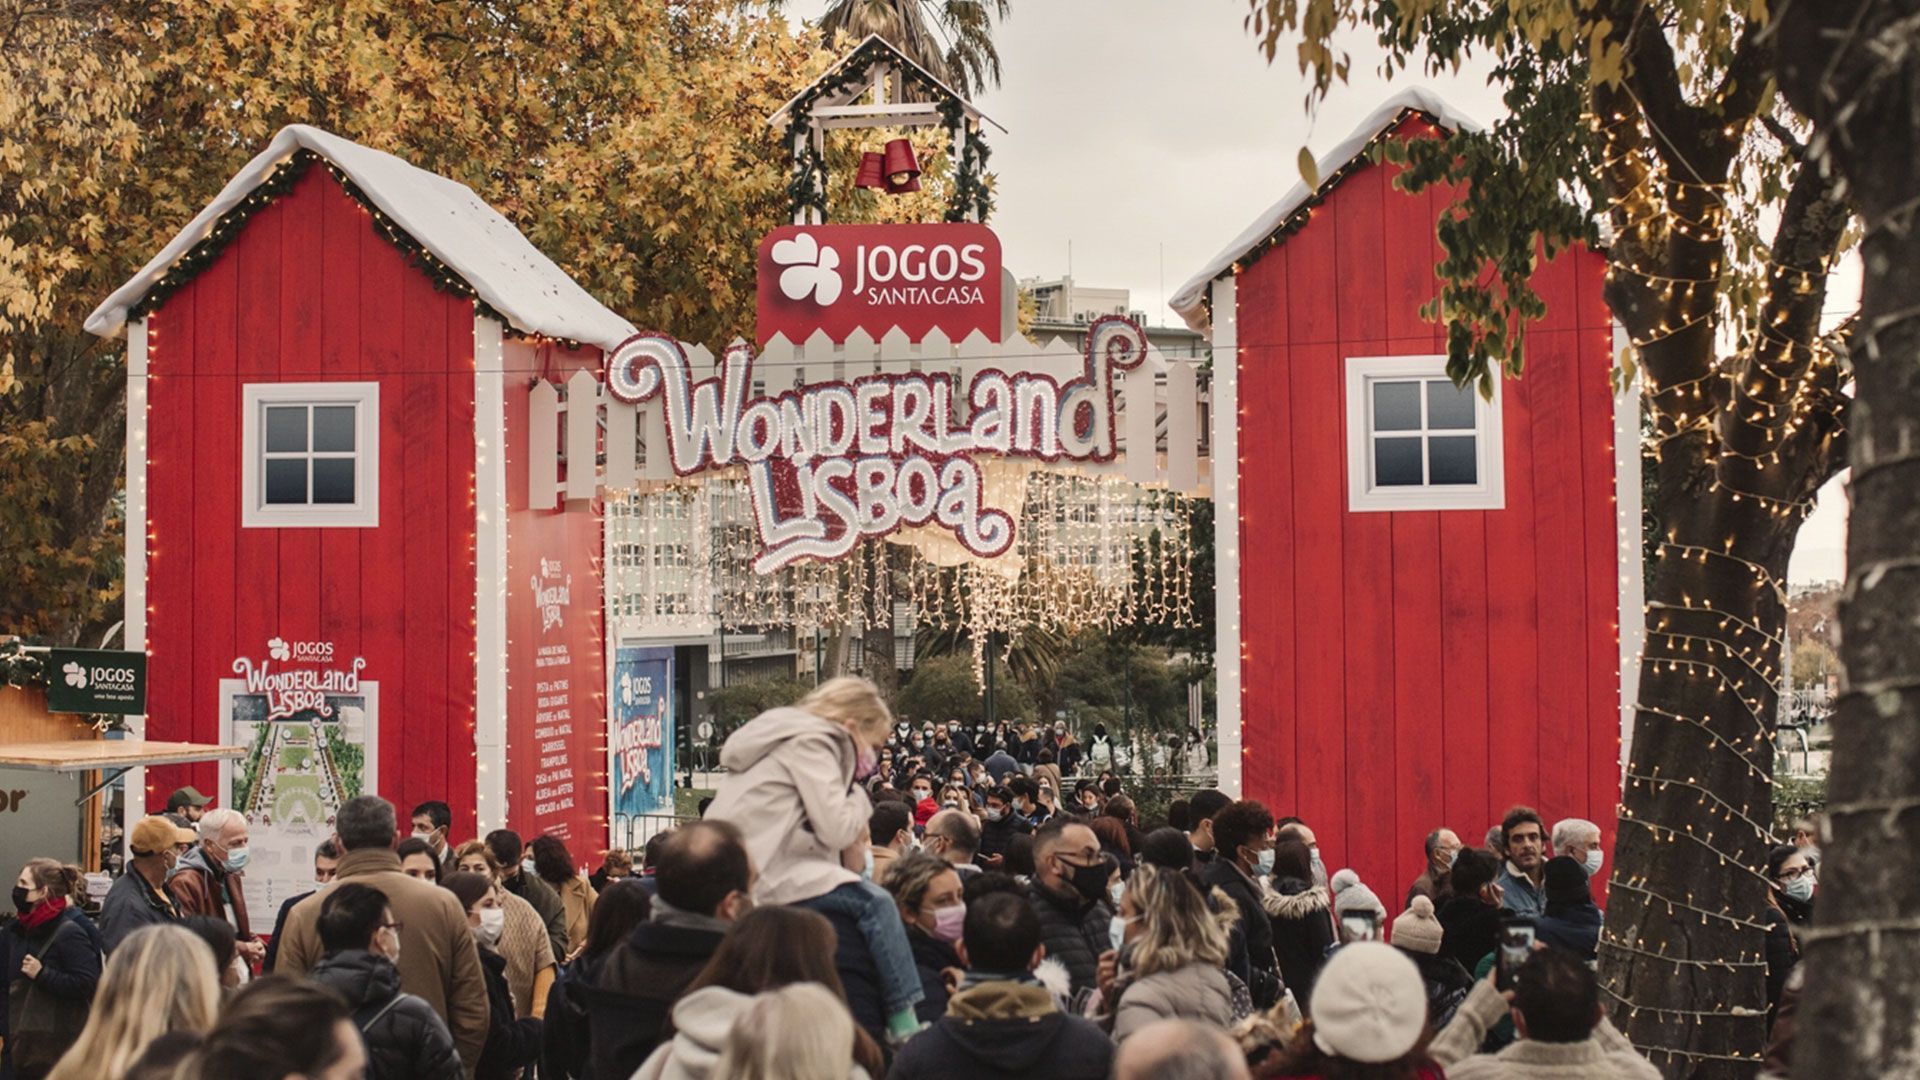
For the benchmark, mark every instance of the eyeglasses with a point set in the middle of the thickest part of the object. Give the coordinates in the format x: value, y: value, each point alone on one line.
x: 1796, y: 873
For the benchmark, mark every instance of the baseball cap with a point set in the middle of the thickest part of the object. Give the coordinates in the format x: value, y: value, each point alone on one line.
x: 186, y: 796
x: 154, y: 835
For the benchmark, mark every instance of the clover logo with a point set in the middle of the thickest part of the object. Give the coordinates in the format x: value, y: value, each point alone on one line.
x: 76, y: 675
x: 278, y: 649
x: 810, y: 268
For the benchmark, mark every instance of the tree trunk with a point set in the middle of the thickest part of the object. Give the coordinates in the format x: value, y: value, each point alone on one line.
x: 1852, y: 66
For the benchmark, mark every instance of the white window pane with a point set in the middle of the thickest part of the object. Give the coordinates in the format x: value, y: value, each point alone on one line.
x: 287, y: 481
x: 333, y: 427
x: 332, y: 481
x: 1449, y: 408
x: 1452, y: 460
x: 1396, y: 407
x: 1396, y: 462
x: 286, y: 429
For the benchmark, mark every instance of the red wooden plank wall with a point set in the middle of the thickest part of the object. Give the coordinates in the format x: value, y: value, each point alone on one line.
x: 1407, y: 670
x: 308, y: 291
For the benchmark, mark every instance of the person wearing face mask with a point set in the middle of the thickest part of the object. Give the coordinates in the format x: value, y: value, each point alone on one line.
x: 1571, y: 920
x: 326, y: 863
x: 405, y: 1038
x: 514, y: 866
x: 512, y: 1044
x: 210, y: 878
x: 1292, y: 828
x: 953, y: 836
x: 928, y: 892
x: 999, y: 824
x: 1172, y: 949
x: 1789, y: 912
x: 51, y: 958
x: 437, y: 959
x: 920, y: 791
x: 1241, y: 833
x: 140, y: 897
x: 1436, y: 879
x: 1579, y: 840
x: 1069, y: 894
x: 433, y: 822
x: 524, y: 942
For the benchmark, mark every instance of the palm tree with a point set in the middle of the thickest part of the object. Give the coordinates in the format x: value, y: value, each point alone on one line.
x: 952, y: 39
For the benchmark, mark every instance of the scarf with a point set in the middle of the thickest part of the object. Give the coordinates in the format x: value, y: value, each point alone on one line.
x: 43, y: 913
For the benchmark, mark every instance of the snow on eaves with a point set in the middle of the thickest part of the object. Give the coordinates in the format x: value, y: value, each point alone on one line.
x: 1189, y: 301
x: 442, y: 215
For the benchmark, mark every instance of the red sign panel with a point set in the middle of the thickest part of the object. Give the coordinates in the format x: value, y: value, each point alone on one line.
x: 842, y: 278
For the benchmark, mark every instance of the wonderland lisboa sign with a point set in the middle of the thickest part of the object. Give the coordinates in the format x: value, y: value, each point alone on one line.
x: 832, y: 463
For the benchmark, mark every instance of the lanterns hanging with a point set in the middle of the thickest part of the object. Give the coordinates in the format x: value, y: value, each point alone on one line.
x: 902, y: 168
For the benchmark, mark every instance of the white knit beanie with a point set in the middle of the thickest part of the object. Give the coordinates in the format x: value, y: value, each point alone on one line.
x: 1368, y: 1004
x: 1416, y: 930
x: 1351, y: 894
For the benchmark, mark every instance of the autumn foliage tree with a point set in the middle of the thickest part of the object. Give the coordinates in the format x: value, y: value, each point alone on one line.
x: 1655, y: 129
x: 628, y: 141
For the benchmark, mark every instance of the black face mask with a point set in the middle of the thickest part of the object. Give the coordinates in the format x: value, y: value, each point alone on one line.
x: 1090, y: 881
x: 20, y: 900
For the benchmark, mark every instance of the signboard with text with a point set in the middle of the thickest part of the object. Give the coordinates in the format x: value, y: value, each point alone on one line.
x: 640, y: 732
x: 97, y: 681
x: 843, y: 278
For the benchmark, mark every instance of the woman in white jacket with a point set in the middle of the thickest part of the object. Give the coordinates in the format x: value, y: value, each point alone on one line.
x: 794, y: 790
x: 1173, y: 953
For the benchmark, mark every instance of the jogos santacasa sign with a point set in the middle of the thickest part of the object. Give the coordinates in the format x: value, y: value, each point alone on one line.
x: 834, y: 462
x: 842, y: 278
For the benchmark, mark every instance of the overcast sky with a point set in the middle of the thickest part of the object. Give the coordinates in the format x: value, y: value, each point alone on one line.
x: 1146, y: 134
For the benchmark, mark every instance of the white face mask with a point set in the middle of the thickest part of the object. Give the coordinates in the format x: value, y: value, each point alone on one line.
x: 491, y: 920
x: 1594, y: 859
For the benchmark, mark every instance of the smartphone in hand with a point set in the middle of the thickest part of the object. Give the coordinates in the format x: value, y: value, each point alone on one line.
x: 1517, y: 935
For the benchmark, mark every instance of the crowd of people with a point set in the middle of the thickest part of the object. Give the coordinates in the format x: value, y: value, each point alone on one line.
x: 861, y: 898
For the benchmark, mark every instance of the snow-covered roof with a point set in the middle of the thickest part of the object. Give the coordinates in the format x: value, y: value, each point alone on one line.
x: 444, y: 216
x: 1189, y: 301
x: 907, y: 64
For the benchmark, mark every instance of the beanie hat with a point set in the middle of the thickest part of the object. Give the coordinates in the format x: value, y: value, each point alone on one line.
x: 467, y: 887
x: 1566, y: 881
x: 1350, y: 894
x: 1416, y: 930
x: 1369, y: 1004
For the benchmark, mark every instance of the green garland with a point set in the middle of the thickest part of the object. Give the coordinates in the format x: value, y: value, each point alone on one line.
x: 277, y: 183
x: 970, y: 195
x: 28, y: 671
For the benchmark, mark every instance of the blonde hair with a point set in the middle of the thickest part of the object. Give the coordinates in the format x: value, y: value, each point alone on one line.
x: 159, y: 979
x: 480, y: 848
x: 854, y: 704
x: 799, y: 1032
x: 1178, y: 927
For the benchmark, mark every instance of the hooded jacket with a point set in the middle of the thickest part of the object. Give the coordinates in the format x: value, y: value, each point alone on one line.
x: 1198, y: 991
x: 1301, y: 934
x: 1075, y: 931
x: 1604, y: 1055
x: 790, y: 790
x: 405, y: 1038
x: 634, y: 989
x: 701, y: 1021
x: 1010, y: 1030
x: 199, y: 887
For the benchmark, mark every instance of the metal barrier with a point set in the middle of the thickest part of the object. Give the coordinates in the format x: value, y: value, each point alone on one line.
x: 632, y: 831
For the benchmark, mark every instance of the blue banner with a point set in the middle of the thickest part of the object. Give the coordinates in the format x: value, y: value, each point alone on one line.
x: 641, y: 741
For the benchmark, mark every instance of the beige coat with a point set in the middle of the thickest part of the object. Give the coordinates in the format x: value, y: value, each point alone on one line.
x: 789, y: 787
x: 438, y: 959
x: 528, y: 951
x: 577, y: 898
x: 1198, y: 991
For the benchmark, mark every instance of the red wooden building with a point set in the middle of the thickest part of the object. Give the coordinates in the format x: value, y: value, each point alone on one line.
x: 1423, y: 590
x: 330, y: 555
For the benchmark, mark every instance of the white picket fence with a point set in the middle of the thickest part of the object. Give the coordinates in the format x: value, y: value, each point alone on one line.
x: 1167, y: 432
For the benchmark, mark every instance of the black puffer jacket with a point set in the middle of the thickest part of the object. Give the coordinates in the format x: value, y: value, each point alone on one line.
x: 406, y: 1039
x: 1075, y: 932
x: 931, y: 957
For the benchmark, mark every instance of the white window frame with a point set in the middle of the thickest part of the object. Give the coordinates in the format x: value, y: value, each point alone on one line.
x: 1490, y: 465
x: 364, y: 511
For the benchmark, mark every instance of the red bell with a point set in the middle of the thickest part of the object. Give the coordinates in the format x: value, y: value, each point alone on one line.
x: 903, y: 172
x: 873, y: 173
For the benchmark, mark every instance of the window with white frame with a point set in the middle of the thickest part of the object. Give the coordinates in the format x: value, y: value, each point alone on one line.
x: 1415, y: 441
x: 310, y: 455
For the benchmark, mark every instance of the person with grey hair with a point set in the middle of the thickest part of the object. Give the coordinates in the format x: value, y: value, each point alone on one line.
x: 437, y: 957
x: 954, y: 835
x: 208, y: 879
x: 1579, y: 839
x: 1436, y: 880
x: 1179, y: 1050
